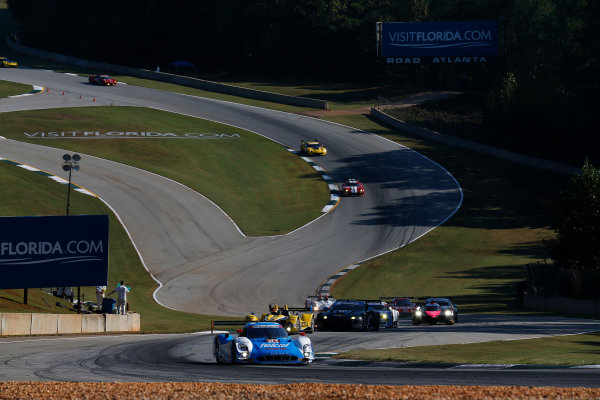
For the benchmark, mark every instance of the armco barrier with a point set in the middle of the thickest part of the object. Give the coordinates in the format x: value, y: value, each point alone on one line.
x: 170, y: 78
x: 20, y: 324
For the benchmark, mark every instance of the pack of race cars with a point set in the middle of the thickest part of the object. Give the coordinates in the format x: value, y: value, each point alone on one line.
x: 278, y: 336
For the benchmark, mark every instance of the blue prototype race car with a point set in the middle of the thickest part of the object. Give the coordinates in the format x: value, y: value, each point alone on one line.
x: 263, y: 343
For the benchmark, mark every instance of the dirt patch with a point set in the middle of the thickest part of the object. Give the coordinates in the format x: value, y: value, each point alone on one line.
x: 199, y: 390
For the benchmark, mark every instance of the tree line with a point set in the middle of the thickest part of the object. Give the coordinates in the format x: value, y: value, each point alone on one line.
x: 540, y: 91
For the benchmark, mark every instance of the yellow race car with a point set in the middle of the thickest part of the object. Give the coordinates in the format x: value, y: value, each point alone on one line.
x: 312, y: 148
x: 294, y: 320
x: 6, y: 63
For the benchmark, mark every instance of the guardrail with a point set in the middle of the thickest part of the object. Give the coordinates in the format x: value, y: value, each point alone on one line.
x: 170, y: 78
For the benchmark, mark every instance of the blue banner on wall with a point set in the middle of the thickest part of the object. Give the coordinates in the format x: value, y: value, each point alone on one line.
x: 57, y: 251
x: 438, y: 39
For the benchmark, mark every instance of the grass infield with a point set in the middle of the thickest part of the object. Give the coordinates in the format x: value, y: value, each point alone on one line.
x: 243, y: 176
x: 476, y: 257
x: 571, y: 350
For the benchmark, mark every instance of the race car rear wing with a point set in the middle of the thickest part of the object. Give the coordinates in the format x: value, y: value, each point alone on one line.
x: 214, y: 323
x: 298, y: 309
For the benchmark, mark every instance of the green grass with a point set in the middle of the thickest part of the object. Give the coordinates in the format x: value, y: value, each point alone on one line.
x: 477, y: 256
x: 18, y: 187
x: 249, y: 177
x: 220, y: 169
x: 12, y: 88
x: 570, y: 350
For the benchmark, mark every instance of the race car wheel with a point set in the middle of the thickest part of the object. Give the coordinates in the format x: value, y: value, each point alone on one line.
x: 451, y: 322
x: 233, y: 352
x: 312, y: 326
x: 375, y: 321
x: 217, y: 352
x: 362, y: 325
x: 416, y: 322
x: 456, y: 317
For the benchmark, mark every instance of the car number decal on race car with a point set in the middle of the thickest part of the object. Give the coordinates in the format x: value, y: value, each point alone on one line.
x: 272, y: 340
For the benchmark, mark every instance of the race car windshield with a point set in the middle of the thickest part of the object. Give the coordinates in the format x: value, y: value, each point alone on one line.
x: 348, y: 306
x: 314, y: 145
x: 352, y: 184
x: 377, y: 307
x: 266, y: 332
x: 403, y: 302
x: 432, y: 307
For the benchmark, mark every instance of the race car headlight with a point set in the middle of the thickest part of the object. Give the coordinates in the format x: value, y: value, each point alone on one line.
x: 447, y: 313
x: 243, y: 350
x: 418, y: 313
x: 288, y: 328
x: 306, y: 350
x: 324, y: 316
x: 384, y: 316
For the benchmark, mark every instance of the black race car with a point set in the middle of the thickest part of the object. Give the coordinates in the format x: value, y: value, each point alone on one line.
x: 348, y: 314
x: 436, y: 309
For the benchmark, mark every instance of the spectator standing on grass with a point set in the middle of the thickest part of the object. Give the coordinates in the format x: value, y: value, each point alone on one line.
x: 122, y: 291
x: 100, y: 290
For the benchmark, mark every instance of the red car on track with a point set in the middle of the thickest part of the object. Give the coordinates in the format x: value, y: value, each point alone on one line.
x: 404, y: 305
x: 352, y: 187
x: 103, y: 80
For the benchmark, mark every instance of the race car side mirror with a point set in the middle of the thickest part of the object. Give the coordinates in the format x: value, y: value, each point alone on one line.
x: 239, y: 331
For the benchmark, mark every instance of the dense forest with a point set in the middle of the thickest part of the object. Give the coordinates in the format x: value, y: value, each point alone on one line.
x: 541, y: 87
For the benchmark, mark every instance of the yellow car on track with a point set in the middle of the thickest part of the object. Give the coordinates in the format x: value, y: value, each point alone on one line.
x: 6, y: 63
x: 312, y: 148
x: 294, y: 320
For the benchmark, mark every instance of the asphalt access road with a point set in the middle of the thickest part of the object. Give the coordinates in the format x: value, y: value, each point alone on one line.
x: 187, y: 357
x: 205, y: 265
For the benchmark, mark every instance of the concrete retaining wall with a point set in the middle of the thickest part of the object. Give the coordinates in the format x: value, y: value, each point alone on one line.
x: 170, y: 78
x: 19, y: 324
x: 469, y: 145
x: 562, y: 305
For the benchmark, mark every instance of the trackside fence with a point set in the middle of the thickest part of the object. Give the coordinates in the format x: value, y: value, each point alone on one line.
x: 549, y: 280
x: 563, y: 290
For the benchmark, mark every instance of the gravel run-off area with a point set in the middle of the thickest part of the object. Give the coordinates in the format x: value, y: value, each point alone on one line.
x: 198, y: 390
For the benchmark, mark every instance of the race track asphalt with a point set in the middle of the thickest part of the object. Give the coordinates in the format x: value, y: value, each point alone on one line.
x: 208, y: 266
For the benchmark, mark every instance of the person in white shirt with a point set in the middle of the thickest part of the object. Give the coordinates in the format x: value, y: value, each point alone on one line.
x: 122, y: 291
x: 100, y: 290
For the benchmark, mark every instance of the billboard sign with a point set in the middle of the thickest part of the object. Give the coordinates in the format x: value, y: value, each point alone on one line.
x: 56, y: 251
x: 437, y: 39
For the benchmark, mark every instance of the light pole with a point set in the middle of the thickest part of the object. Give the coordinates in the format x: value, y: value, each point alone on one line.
x: 70, y: 164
